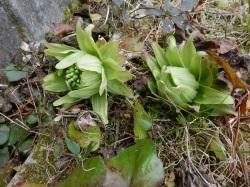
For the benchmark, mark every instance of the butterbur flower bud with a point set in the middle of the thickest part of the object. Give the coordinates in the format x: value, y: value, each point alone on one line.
x: 88, y: 73
x: 185, y: 78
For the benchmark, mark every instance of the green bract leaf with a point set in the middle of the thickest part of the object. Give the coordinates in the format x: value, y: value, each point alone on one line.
x: 109, y: 50
x: 139, y: 165
x: 215, y: 110
x: 172, y: 95
x: 152, y: 85
x: 180, y: 81
x: 66, y: 100
x: 85, y: 92
x: 187, y: 79
x: 117, y: 87
x: 89, y: 62
x: 85, y: 73
x: 104, y: 83
x: 209, y: 95
x: 85, y: 40
x: 115, y: 71
x: 142, y: 122
x: 100, y: 106
x: 59, y: 51
x: 208, y: 72
x: 69, y: 60
x: 88, y: 78
x: 188, y: 53
x: 172, y: 54
x: 153, y: 66
x: 160, y: 55
x: 54, y: 83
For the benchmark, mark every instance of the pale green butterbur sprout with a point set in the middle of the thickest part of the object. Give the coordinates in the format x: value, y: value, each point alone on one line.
x: 186, y: 78
x: 87, y: 73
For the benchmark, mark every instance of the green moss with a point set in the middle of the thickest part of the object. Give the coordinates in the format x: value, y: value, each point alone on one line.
x: 73, y: 7
x: 4, y: 174
x: 45, y: 156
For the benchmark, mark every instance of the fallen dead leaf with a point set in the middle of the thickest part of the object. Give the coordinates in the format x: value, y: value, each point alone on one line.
x: 236, y: 81
x: 218, y: 45
x: 62, y: 29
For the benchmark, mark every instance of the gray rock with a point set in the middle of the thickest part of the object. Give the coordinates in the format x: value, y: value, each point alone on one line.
x: 9, y: 38
x: 26, y: 20
x: 37, y: 16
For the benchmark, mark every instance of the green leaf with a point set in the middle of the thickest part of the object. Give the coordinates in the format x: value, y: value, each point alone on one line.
x: 89, y: 62
x: 31, y: 119
x: 66, y: 100
x: 60, y: 48
x: 208, y: 72
x: 218, y: 147
x: 114, y: 70
x: 4, y: 134
x: 139, y: 165
x: 88, y: 78
x: 91, y: 175
x: 69, y: 60
x: 195, y: 66
x: 26, y: 145
x: 85, y: 92
x: 142, y: 122
x: 187, y: 80
x: 17, y: 134
x: 152, y: 85
x: 153, y: 66
x: 172, y: 54
x: 91, y: 136
x: 185, y: 84
x: 188, y: 53
x: 13, y: 74
x: 217, y: 110
x: 100, y: 106
x: 109, y: 50
x: 207, y: 95
x: 54, y: 83
x: 85, y: 40
x: 72, y: 146
x: 104, y: 83
x: 4, y: 156
x: 59, y: 51
x: 119, y: 88
x: 159, y: 55
x: 172, y: 96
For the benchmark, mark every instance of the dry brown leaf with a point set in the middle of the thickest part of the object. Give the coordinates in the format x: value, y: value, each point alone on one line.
x: 244, y: 104
x: 220, y: 45
x: 225, y: 46
x: 62, y: 29
x: 235, y: 80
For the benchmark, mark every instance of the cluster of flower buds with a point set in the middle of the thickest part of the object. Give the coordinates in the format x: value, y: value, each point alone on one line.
x: 73, y: 77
